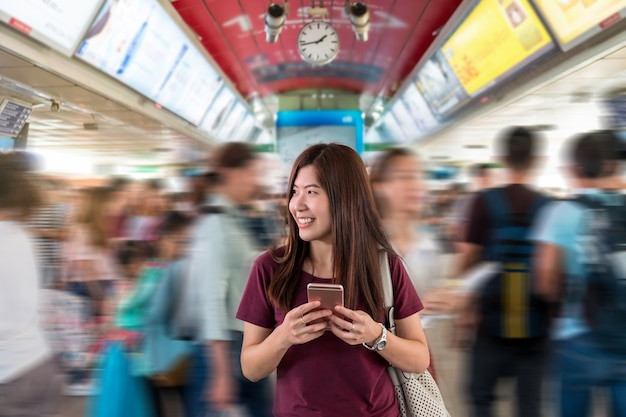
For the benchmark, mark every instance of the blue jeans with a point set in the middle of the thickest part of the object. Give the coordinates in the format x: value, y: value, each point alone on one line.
x: 255, y: 397
x: 580, y: 367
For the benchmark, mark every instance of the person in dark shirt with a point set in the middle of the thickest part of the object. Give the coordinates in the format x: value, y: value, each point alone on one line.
x: 507, y: 350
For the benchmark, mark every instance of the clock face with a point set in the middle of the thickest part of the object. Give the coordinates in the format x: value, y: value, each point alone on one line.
x: 318, y: 43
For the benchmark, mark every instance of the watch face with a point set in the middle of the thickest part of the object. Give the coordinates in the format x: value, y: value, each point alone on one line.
x: 381, y: 345
x: 318, y: 43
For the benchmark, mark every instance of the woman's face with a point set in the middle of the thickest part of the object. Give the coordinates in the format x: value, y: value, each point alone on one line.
x: 310, y: 207
x: 402, y: 186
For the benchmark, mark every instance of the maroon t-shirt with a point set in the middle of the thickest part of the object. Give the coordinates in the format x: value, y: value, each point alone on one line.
x: 326, y: 377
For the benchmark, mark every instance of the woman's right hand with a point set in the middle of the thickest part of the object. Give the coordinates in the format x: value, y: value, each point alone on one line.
x: 303, y: 324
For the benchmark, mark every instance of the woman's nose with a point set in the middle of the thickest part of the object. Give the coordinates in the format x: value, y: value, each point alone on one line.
x: 298, y: 202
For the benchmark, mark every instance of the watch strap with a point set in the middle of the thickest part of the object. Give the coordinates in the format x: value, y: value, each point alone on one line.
x: 378, y: 340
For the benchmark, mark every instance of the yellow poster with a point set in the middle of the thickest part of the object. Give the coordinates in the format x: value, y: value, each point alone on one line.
x: 571, y: 18
x: 495, y: 36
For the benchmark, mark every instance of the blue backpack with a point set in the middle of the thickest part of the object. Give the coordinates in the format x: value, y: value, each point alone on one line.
x: 602, y: 244
x: 509, y: 306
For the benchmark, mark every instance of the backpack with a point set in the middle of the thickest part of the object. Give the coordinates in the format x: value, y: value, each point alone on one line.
x: 509, y: 306
x: 602, y: 245
x: 183, y: 309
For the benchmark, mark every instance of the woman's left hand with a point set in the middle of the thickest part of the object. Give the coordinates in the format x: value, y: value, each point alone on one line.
x: 355, y: 327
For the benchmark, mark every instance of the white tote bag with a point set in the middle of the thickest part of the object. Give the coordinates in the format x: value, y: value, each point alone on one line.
x: 418, y: 394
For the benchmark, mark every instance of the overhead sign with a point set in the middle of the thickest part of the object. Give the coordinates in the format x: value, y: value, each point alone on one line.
x: 59, y: 24
x: 495, y: 37
x: 440, y: 87
x: 140, y: 45
x: 574, y: 21
x: 13, y: 115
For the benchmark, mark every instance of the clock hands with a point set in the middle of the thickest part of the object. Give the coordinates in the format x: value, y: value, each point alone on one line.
x: 317, y: 41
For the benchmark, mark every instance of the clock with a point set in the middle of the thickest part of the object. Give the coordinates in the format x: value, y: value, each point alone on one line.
x: 318, y: 43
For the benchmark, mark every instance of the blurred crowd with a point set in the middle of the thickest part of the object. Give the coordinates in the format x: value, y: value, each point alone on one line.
x: 127, y: 293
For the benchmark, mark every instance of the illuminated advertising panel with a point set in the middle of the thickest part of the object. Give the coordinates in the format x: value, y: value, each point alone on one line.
x: 440, y: 87
x: 139, y: 44
x: 418, y: 109
x: 244, y: 130
x: 297, y: 130
x: 218, y: 110
x: 231, y: 121
x: 190, y: 88
x: 495, y: 37
x: 406, y: 122
x: 390, y: 130
x: 59, y: 24
x: 574, y: 21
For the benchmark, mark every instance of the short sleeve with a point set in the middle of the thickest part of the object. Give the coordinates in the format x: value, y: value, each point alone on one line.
x: 255, y: 306
x: 406, y: 299
x: 555, y: 224
x: 477, y: 221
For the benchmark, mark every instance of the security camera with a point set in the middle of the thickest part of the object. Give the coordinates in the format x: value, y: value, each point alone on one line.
x: 275, y: 20
x: 55, y: 106
x: 360, y: 19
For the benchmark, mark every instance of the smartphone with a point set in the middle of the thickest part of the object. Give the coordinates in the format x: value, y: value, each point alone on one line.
x: 330, y: 295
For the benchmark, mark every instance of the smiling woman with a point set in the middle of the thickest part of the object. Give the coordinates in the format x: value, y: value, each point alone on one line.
x: 335, y: 236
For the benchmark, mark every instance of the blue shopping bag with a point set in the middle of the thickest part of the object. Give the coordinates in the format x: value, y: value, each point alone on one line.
x: 120, y: 393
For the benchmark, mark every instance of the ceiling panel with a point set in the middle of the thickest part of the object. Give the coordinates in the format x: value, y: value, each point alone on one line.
x: 233, y: 34
x: 34, y: 77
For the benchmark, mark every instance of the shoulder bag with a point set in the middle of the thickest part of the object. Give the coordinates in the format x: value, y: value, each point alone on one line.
x: 418, y: 394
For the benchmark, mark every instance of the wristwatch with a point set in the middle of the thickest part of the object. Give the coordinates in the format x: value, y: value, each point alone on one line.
x: 381, y: 342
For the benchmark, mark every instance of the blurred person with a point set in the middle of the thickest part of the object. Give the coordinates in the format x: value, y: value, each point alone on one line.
x: 328, y: 365
x: 90, y: 273
x: 479, y: 180
x: 617, y: 154
x: 48, y: 224
x: 118, y: 207
x: 508, y: 321
x: 90, y: 263
x: 396, y: 179
x: 29, y: 381
x: 146, y: 269
x: 222, y: 250
x: 144, y: 222
x: 582, y: 361
x: 262, y: 221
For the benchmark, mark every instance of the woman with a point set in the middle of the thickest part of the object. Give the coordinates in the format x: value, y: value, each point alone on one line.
x: 29, y: 383
x: 90, y: 274
x: 335, y: 237
x: 90, y: 262
x: 397, y: 184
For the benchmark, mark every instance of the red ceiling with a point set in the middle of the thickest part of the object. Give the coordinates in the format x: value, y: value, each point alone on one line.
x: 233, y: 33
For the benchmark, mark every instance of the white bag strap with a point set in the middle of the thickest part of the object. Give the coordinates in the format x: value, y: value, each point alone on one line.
x: 385, y: 274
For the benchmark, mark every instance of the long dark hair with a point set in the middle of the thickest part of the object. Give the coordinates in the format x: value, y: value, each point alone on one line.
x: 357, y: 232
x: 18, y: 193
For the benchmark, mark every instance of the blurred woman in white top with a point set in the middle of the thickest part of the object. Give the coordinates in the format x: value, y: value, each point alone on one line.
x: 28, y: 377
x: 396, y: 178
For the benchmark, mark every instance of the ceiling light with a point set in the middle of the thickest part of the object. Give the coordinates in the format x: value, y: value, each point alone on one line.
x: 275, y: 20
x: 360, y: 19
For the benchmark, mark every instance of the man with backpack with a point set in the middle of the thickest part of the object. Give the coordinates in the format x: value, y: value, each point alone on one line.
x: 581, y: 264
x: 510, y: 321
